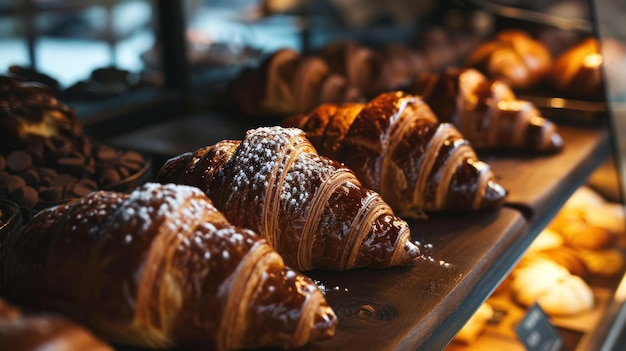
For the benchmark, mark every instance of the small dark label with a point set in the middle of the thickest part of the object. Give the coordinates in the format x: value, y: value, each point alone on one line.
x: 536, y: 332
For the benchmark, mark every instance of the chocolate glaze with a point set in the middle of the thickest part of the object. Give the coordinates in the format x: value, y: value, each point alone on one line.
x: 397, y: 147
x: 470, y: 101
x: 160, y: 267
x: 312, y: 209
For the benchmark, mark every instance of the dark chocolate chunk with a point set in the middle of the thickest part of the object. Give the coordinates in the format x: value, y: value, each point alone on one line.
x: 84, y: 186
x: 12, y: 182
x: 108, y: 177
x: 58, y: 147
x: 46, y: 175
x: 3, y: 163
x: 53, y: 193
x: 19, y: 161
x: 31, y: 177
x: 63, y: 179
x: 133, y: 160
x: 106, y: 153
x: 26, y: 196
x: 124, y: 172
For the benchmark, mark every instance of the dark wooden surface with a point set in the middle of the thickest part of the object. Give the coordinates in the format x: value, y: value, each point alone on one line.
x: 399, y: 308
x: 422, y: 307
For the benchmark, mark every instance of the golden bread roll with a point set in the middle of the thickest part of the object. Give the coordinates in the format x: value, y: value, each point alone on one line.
x: 604, y: 263
x: 552, y: 286
x: 547, y: 239
x: 567, y: 257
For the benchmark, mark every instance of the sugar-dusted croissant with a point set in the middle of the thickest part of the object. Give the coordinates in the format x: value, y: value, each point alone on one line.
x: 40, y: 332
x: 312, y: 209
x: 161, y: 267
x: 487, y: 112
x: 397, y: 147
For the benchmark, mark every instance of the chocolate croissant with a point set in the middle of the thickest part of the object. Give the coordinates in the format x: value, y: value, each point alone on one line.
x: 487, y: 112
x: 161, y: 267
x: 311, y: 209
x: 397, y: 147
x: 514, y: 57
x: 286, y: 83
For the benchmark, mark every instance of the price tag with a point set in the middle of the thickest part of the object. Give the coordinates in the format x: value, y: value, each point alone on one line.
x: 536, y: 332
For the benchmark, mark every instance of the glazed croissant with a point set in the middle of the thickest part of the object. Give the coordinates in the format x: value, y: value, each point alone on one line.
x: 161, y: 267
x: 487, y: 112
x: 397, y: 147
x: 311, y: 209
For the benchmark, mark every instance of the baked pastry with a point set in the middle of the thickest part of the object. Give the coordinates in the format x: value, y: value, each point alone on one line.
x: 40, y: 332
x: 552, y: 286
x: 286, y: 83
x: 361, y: 65
x: 161, y: 267
x: 514, y: 57
x: 567, y: 257
x: 548, y: 238
x: 609, y: 215
x: 604, y: 263
x: 577, y: 72
x: 312, y: 209
x: 487, y: 112
x: 571, y: 224
x: 396, y: 146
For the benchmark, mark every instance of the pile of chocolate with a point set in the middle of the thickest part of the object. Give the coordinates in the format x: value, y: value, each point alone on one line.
x: 44, y: 156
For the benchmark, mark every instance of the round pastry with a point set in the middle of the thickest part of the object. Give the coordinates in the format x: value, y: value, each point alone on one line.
x: 552, y: 286
x: 513, y: 57
x: 577, y: 72
x: 567, y: 257
x: 609, y: 216
x: 547, y: 239
x: 604, y: 263
x: 580, y: 234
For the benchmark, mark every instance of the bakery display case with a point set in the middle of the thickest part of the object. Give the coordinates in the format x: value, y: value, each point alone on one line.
x: 208, y: 71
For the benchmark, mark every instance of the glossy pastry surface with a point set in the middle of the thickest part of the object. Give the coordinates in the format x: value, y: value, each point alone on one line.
x: 161, y: 267
x: 312, y: 209
x: 397, y: 146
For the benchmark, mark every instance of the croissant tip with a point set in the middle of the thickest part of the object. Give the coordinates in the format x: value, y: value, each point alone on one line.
x: 411, y: 253
x: 556, y: 142
x: 326, y: 323
x: 495, y: 194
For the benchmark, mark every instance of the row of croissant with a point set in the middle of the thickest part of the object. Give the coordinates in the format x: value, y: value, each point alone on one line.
x: 213, y: 255
x: 288, y: 82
